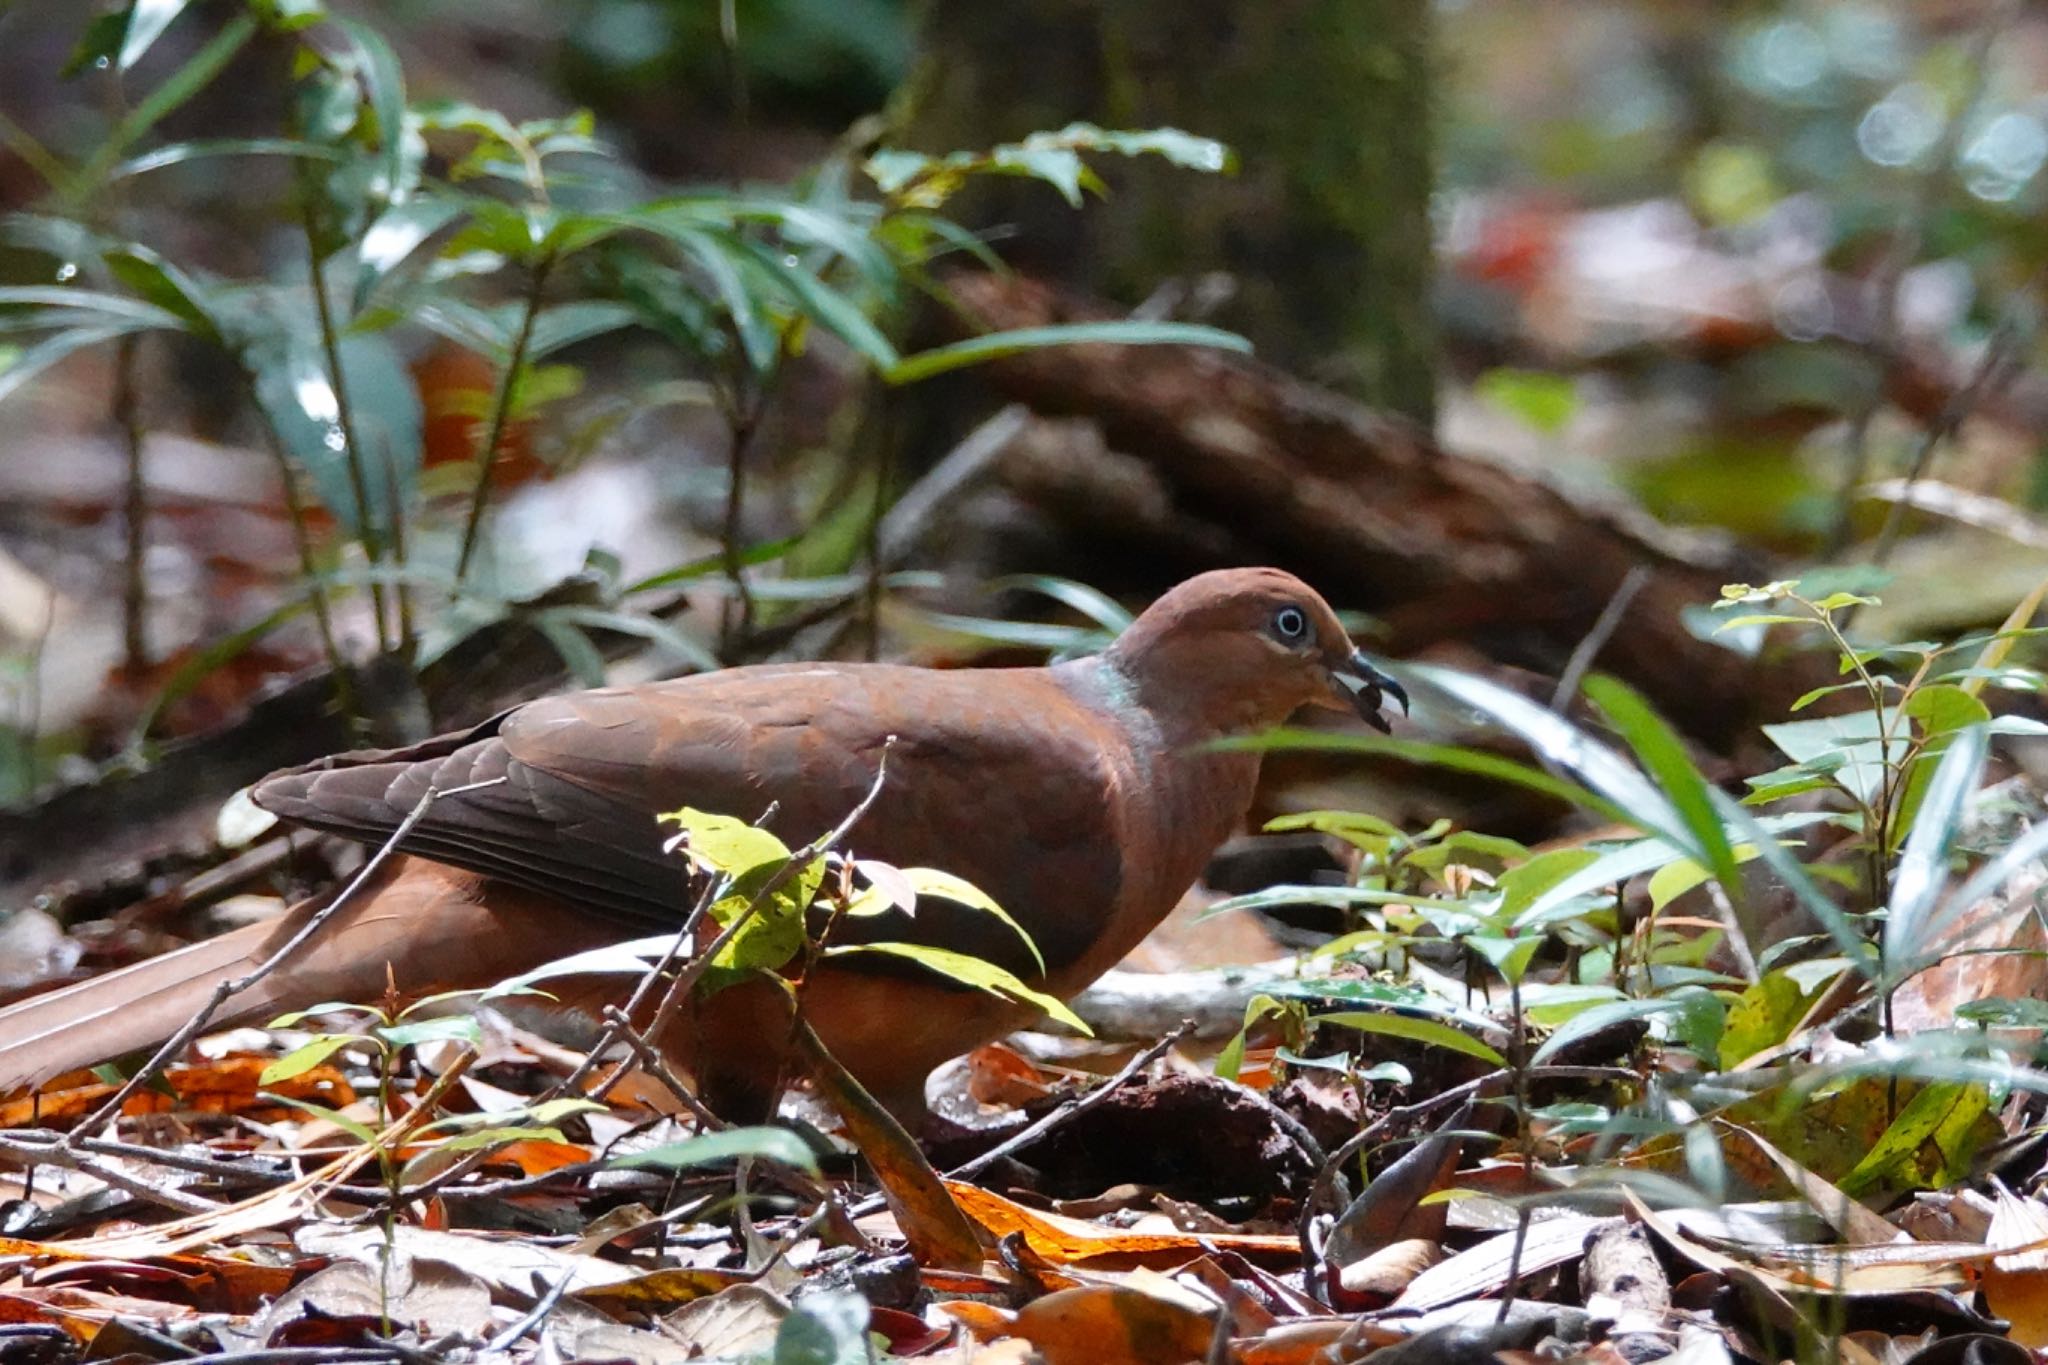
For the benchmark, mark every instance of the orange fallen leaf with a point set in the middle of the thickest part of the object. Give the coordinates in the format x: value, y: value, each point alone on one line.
x: 1098, y: 1324
x: 1061, y: 1240
x: 2016, y: 1286
x: 227, y: 1086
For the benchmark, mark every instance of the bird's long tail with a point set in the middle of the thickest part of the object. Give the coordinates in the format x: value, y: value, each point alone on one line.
x: 419, y: 927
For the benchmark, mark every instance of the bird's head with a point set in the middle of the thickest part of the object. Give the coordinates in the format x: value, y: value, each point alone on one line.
x: 1241, y: 649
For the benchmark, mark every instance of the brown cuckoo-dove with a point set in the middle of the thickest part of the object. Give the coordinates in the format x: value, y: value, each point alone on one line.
x: 1084, y: 798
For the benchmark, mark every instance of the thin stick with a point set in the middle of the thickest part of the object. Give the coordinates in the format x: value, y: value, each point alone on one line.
x: 1058, y: 1118
x: 1073, y: 1108
x: 228, y: 989
x: 1609, y: 620
x: 1332, y: 1173
x: 134, y: 514
x: 538, y: 1314
x: 680, y: 987
x: 57, y: 1154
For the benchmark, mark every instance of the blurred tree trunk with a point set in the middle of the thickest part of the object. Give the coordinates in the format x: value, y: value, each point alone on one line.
x: 1324, y: 229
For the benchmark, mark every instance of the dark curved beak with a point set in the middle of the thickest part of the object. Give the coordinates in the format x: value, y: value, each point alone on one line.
x: 1369, y: 688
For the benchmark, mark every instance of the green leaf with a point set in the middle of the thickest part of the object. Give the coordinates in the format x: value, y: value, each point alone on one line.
x: 779, y: 1145
x: 826, y: 1328
x: 456, y: 1028
x: 1474, y: 761
x: 278, y: 341
x: 359, y: 1131
x: 1230, y: 1061
x: 1765, y: 619
x: 1406, y: 999
x: 1546, y: 402
x: 825, y: 305
x: 20, y: 367
x: 1923, y: 865
x: 1557, y: 741
x: 1763, y: 1016
x: 726, y: 844
x: 1796, y: 878
x: 1695, y: 1020
x: 750, y: 858
x: 1943, y: 709
x: 91, y: 305
x: 147, y: 20
x: 1852, y: 742
x: 971, y: 971
x: 1509, y: 953
x: 195, y: 75
x: 392, y: 237
x: 1662, y: 753
x: 653, y: 629
x: 930, y: 881
x: 304, y: 1058
x: 179, y: 153
x: 166, y: 286
x: 1427, y: 1031
x: 384, y: 86
x: 1521, y: 886
x: 1356, y: 828
x: 1934, y: 1126
x: 1104, y: 610
x: 998, y: 345
x: 2005, y: 1012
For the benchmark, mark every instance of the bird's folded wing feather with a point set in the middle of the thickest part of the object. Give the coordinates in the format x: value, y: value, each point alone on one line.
x: 1002, y: 778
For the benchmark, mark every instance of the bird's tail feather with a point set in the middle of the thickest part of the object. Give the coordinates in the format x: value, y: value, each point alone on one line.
x: 418, y: 927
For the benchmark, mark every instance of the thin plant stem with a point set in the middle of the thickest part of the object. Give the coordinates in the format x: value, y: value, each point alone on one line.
x: 316, y: 590
x: 344, y: 413
x: 228, y: 989
x: 134, y: 514
x: 408, y: 629
x: 35, y: 156
x: 501, y: 413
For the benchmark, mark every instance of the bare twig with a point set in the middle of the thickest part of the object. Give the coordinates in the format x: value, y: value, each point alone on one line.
x: 1995, y: 368
x: 1073, y: 1108
x: 653, y: 1064
x: 537, y: 1314
x: 228, y: 989
x: 679, y: 988
x: 134, y: 514
x: 1609, y: 620
x: 1330, y: 1179
x: 1881, y: 343
x: 59, y: 1154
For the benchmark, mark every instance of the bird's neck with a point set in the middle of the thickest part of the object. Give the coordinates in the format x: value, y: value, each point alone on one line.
x: 1198, y: 794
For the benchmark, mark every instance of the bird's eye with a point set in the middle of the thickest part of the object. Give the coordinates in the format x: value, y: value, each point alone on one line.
x: 1289, y: 624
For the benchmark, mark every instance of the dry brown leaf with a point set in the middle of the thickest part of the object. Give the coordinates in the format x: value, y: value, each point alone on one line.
x: 227, y: 1086
x: 2016, y: 1286
x: 1111, y: 1325
x: 931, y: 1222
x: 1387, y: 1272
x: 1063, y: 1240
x: 738, y: 1322
x: 1481, y: 1270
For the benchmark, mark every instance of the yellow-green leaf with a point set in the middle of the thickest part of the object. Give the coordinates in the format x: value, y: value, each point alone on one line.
x: 971, y: 971
x: 930, y: 881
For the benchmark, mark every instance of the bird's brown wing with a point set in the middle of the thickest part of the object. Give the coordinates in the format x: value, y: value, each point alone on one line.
x: 1002, y: 778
